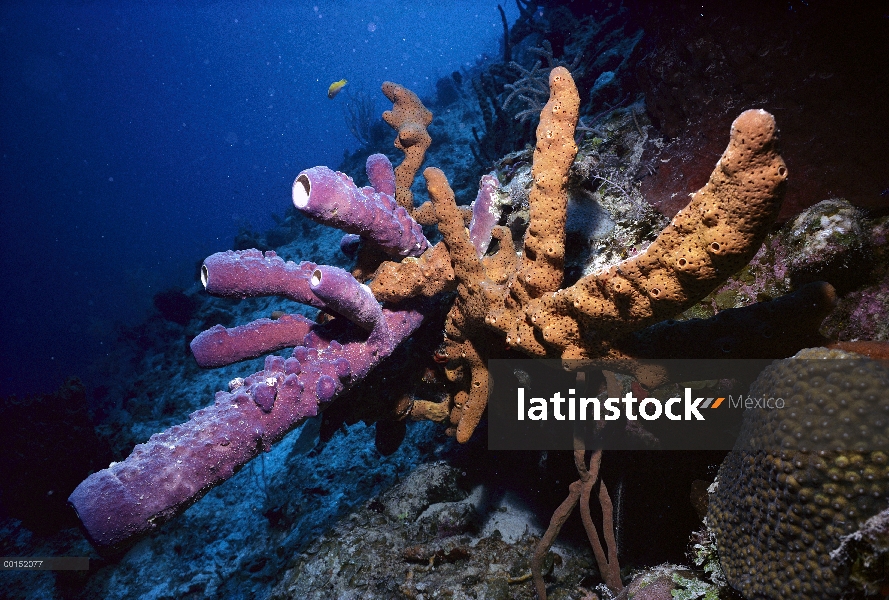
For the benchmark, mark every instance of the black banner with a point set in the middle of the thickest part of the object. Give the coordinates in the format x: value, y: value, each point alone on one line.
x: 798, y: 404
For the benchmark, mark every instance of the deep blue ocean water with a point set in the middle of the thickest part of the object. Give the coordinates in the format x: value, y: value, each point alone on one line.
x: 136, y: 137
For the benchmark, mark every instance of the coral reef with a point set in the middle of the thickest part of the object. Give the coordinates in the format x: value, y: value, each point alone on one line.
x: 424, y: 536
x: 533, y: 301
x: 864, y: 555
x: 670, y: 582
x: 655, y: 108
x: 828, y: 242
x: 863, y: 314
x: 831, y: 241
x: 498, y: 295
x: 801, y: 478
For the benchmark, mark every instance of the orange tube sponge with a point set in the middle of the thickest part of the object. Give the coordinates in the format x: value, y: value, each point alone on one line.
x: 709, y: 240
x: 410, y: 119
x: 542, y: 264
x: 426, y: 276
x: 714, y: 236
x: 544, y: 251
x: 480, y: 283
x: 520, y: 297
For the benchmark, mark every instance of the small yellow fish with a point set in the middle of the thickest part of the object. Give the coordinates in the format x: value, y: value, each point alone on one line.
x: 335, y: 88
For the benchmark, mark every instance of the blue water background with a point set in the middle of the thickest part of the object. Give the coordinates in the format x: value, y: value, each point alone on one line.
x: 136, y: 137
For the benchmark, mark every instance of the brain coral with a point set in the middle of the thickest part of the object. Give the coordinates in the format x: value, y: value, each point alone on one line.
x: 801, y: 478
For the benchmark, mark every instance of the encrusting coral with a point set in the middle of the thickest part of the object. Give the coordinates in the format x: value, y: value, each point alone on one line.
x: 505, y: 301
x: 801, y: 478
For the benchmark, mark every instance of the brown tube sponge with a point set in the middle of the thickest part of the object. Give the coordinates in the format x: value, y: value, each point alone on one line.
x: 710, y: 239
x: 410, y: 119
x: 544, y: 251
x: 426, y: 276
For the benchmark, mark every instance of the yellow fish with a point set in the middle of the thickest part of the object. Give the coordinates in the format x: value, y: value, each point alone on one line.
x: 335, y: 88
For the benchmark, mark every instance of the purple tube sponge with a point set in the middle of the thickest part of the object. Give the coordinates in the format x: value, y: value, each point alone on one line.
x: 485, y: 214
x: 380, y: 174
x: 218, y: 346
x: 349, y: 245
x: 175, y: 468
x: 332, y: 198
x: 347, y: 296
x: 243, y: 273
x: 248, y: 273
